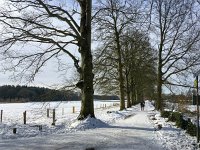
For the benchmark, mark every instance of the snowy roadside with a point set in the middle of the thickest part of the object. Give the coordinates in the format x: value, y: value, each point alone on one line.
x: 170, y: 136
x: 111, y: 127
x: 66, y: 123
x: 118, y: 130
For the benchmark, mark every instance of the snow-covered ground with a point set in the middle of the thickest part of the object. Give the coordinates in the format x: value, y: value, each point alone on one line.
x: 112, y: 129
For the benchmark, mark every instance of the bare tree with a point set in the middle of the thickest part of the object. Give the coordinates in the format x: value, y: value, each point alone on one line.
x: 112, y: 18
x: 33, y: 32
x: 105, y: 70
x: 175, y: 30
x: 139, y: 68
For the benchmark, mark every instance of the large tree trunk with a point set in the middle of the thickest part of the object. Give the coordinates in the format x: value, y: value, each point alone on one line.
x: 159, y: 93
x: 120, y: 71
x: 159, y: 81
x: 128, y: 90
x: 128, y: 99
x: 133, y: 99
x: 86, y: 75
x: 121, y: 85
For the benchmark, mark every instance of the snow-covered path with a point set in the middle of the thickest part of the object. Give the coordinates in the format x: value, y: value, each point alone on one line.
x: 134, y: 133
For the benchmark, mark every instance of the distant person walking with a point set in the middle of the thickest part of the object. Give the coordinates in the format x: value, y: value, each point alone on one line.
x: 142, y: 104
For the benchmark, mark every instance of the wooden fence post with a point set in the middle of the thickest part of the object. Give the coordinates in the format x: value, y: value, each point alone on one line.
x: 40, y: 127
x: 24, y: 114
x: 62, y: 111
x: 54, y: 117
x: 1, y: 115
x: 47, y: 112
x: 14, y: 130
x: 73, y: 110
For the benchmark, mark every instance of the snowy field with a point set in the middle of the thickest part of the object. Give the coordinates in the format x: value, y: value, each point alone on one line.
x: 36, y: 114
x: 112, y: 129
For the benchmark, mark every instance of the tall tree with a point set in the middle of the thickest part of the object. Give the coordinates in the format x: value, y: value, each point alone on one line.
x: 139, y: 69
x: 175, y: 30
x: 33, y: 32
x: 105, y: 69
x: 112, y: 18
x: 138, y: 59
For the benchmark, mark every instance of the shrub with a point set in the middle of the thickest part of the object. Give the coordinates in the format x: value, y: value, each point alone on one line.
x: 174, y: 116
x: 184, y: 124
x: 165, y: 114
x: 178, y: 118
x: 191, y: 129
x: 180, y: 122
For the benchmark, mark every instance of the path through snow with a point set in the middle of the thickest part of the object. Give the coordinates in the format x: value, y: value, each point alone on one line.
x: 133, y: 133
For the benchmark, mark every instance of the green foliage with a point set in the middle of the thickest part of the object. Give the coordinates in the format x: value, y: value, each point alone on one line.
x: 174, y: 116
x: 191, y: 129
x: 178, y: 118
x: 166, y: 114
x: 180, y: 121
x: 184, y: 124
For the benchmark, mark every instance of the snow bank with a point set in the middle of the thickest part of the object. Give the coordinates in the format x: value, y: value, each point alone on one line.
x: 88, y: 123
x: 171, y: 137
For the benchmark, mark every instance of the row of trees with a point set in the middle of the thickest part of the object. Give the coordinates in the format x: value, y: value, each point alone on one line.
x: 132, y: 34
x: 166, y: 32
x: 10, y: 93
x: 126, y: 58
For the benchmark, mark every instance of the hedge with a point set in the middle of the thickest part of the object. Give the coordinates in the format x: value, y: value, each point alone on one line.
x: 165, y: 114
x: 191, y: 129
x: 180, y: 121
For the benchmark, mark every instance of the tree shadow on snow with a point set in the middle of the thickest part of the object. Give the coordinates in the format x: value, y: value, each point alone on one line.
x: 133, y: 128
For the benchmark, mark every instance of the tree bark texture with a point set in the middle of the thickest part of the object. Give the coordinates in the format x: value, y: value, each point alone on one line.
x: 120, y: 71
x: 86, y: 75
x: 128, y: 91
x: 159, y: 81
